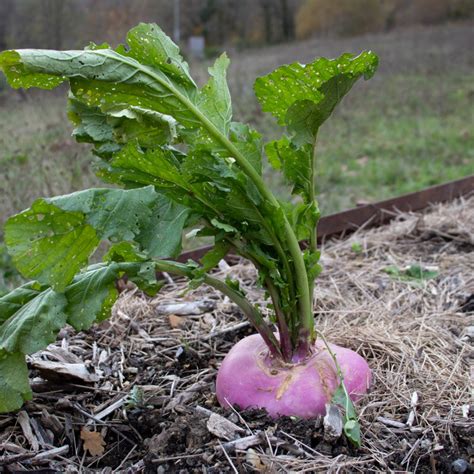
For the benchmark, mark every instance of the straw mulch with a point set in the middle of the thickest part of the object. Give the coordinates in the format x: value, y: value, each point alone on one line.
x: 145, y: 402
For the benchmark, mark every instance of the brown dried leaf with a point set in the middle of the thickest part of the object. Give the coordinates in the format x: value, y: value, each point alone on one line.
x: 175, y: 321
x: 93, y: 442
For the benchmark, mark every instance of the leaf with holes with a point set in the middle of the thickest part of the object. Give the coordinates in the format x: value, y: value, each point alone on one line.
x: 54, y: 239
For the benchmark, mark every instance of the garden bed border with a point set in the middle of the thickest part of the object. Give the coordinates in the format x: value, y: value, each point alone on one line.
x: 375, y: 214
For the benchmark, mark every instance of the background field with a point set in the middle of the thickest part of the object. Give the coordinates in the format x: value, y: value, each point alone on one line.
x: 409, y: 127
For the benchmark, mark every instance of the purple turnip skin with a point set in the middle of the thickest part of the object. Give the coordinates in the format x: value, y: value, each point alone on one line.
x: 250, y: 378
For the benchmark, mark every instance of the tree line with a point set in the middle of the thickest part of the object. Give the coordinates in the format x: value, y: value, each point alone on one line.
x: 62, y: 24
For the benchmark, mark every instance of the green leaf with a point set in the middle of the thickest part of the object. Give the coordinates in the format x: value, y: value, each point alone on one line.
x: 249, y: 142
x: 144, y: 126
x: 214, y: 98
x: 164, y: 238
x: 103, y: 78
x: 222, y: 226
x: 14, y: 385
x: 35, y: 324
x: 20, y: 75
x: 36, y: 316
x: 91, y: 123
x: 352, y: 432
x: 50, y: 244
x: 158, y: 166
x: 147, y: 85
x: 341, y: 398
x: 208, y: 262
x: 296, y: 164
x: 91, y: 295
x: 118, y: 126
x: 13, y: 301
x: 302, y: 96
x: 125, y: 252
x: 311, y: 260
x: 351, y: 424
x: 54, y: 239
x: 415, y: 273
x: 151, y: 46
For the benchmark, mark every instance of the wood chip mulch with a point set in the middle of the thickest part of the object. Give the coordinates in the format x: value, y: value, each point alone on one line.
x: 136, y: 393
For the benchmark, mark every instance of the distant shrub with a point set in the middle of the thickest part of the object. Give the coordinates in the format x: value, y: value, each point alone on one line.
x: 349, y: 17
x: 339, y: 17
x: 461, y: 9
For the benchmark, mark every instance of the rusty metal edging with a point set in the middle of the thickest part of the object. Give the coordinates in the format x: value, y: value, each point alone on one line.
x: 378, y: 213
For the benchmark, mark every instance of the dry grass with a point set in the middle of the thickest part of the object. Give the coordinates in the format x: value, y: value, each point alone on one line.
x: 413, y: 332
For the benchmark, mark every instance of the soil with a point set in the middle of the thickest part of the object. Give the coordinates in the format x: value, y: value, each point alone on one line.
x: 153, y: 392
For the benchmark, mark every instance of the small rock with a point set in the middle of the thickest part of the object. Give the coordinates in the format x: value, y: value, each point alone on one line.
x: 460, y: 465
x: 252, y: 458
x: 426, y: 444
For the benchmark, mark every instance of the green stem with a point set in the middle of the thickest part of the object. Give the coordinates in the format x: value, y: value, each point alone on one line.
x: 313, y: 237
x: 313, y: 240
x: 283, y: 330
x: 250, y: 311
x: 304, y: 298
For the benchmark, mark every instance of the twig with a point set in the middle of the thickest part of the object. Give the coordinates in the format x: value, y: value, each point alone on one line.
x: 392, y: 423
x: 232, y: 465
x: 111, y: 427
x: 110, y: 409
x: 33, y: 457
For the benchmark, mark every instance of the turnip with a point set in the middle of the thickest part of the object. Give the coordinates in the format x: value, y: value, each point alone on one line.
x: 134, y: 104
x: 250, y: 377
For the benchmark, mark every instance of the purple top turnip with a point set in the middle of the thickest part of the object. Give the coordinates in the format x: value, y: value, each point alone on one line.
x: 134, y: 104
x: 250, y: 377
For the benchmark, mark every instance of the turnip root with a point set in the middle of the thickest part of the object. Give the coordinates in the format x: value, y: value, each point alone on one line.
x: 250, y: 378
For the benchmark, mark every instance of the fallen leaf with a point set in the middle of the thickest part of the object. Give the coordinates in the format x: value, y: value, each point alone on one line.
x: 175, y: 321
x: 93, y: 442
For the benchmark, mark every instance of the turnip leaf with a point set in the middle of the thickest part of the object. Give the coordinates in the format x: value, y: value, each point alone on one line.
x: 14, y: 385
x: 295, y: 163
x: 34, y: 318
x: 214, y: 98
x: 13, y: 301
x: 149, y: 45
x: 302, y: 97
x: 54, y: 239
x: 34, y: 325
x: 49, y: 244
x: 119, y: 126
x: 351, y: 423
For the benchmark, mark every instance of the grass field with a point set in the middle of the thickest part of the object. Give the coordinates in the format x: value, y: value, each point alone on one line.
x: 409, y: 127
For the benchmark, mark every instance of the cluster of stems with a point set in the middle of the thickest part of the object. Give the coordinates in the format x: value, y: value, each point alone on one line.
x: 298, y: 339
